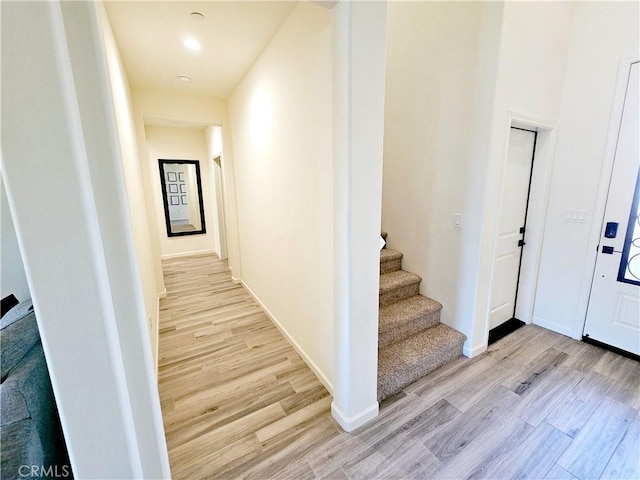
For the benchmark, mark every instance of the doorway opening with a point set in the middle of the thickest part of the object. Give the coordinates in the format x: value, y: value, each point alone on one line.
x: 510, y: 234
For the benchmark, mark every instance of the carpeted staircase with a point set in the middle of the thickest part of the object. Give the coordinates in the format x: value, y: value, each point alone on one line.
x: 411, y: 340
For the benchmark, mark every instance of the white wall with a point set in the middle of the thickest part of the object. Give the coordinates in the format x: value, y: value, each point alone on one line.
x: 12, y: 279
x: 60, y: 149
x: 602, y: 35
x: 430, y: 79
x: 149, y: 267
x: 280, y: 116
x: 169, y: 143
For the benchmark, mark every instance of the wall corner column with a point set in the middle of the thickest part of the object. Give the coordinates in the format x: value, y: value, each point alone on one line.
x: 359, y: 52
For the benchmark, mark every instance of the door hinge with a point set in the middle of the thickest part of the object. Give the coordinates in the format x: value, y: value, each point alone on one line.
x: 521, y: 243
x: 521, y: 229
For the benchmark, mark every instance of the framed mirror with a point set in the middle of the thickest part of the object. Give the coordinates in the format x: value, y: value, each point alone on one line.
x: 182, y: 196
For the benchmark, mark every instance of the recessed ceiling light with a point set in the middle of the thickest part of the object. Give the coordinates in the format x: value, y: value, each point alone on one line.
x: 184, y: 78
x: 191, y: 44
x: 197, y: 16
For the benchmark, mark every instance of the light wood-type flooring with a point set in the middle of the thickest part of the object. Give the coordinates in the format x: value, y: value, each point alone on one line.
x: 238, y: 402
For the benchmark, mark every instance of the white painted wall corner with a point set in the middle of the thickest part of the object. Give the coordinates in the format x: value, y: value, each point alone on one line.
x: 349, y: 424
x: 471, y: 352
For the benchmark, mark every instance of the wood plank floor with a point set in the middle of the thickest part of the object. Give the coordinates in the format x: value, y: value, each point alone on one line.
x: 238, y: 402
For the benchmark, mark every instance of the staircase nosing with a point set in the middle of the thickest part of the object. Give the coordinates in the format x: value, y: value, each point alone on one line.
x: 404, y: 279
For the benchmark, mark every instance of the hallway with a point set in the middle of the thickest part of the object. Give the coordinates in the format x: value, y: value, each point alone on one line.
x: 238, y: 402
x: 234, y: 393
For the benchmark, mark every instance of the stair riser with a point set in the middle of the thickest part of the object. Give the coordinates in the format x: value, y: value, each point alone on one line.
x: 404, y: 331
x: 405, y: 377
x: 390, y: 266
x: 399, y: 294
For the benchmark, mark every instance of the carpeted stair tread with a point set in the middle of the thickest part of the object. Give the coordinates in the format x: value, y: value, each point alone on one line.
x: 394, y: 280
x: 407, y: 317
x: 397, y: 285
x: 388, y: 254
x: 384, y: 235
x: 390, y: 261
x: 402, y: 363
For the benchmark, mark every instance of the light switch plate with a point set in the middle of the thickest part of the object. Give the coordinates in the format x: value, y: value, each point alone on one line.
x: 574, y: 215
x: 457, y: 220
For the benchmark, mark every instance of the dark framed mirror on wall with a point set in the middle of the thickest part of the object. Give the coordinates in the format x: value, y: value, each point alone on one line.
x: 182, y: 197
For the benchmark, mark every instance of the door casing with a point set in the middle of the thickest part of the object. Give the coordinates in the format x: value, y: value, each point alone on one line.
x: 536, y: 214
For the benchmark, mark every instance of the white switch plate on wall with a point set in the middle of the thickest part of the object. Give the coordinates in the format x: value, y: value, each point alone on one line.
x: 457, y: 220
x: 575, y: 216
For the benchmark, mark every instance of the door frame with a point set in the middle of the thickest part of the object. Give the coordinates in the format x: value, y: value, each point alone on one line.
x: 218, y: 181
x: 624, y: 69
x: 536, y: 212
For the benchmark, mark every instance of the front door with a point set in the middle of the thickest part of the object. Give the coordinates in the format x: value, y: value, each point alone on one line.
x: 613, y: 315
x: 511, y: 227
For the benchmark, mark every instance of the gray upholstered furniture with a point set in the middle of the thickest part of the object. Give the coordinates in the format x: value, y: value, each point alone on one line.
x: 30, y: 431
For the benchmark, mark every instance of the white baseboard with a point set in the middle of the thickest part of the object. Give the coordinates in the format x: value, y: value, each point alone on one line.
x: 349, y: 424
x: 541, y: 322
x: 310, y: 363
x: 234, y: 279
x: 470, y: 352
x: 156, y: 333
x: 186, y: 254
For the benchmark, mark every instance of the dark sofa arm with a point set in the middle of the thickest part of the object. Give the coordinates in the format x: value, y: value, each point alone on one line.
x: 29, y: 417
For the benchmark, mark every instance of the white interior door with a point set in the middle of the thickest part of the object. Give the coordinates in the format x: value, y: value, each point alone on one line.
x: 613, y: 315
x: 511, y: 223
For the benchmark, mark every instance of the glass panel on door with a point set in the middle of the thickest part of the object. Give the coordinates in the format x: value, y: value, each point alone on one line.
x: 630, y: 262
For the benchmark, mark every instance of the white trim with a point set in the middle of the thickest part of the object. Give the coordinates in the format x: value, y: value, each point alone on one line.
x: 601, y: 199
x: 474, y: 351
x: 310, y: 363
x: 156, y: 336
x: 555, y: 327
x: 218, y: 175
x: 349, y: 424
x: 523, y: 121
x: 234, y: 279
x: 187, y: 254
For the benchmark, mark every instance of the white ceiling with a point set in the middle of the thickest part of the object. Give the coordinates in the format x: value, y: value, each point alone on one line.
x: 150, y: 37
